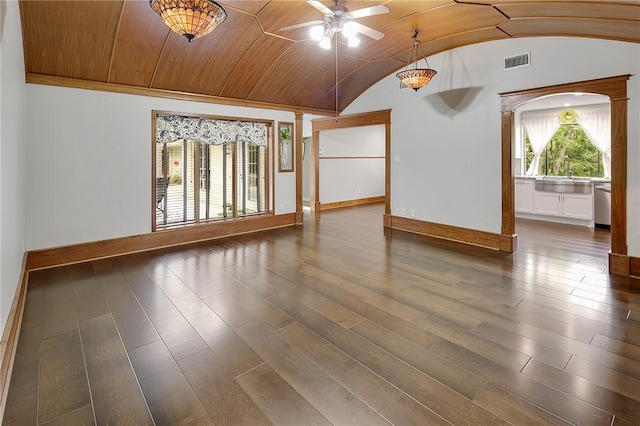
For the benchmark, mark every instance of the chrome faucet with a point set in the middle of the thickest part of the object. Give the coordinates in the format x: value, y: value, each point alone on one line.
x: 567, y: 160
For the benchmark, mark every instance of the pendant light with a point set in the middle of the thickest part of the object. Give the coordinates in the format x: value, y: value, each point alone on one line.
x: 415, y: 77
x: 190, y: 18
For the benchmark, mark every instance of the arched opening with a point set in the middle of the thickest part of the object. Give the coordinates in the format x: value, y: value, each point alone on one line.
x: 615, y: 88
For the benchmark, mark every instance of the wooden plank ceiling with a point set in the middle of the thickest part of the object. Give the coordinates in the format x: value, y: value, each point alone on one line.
x: 124, y: 43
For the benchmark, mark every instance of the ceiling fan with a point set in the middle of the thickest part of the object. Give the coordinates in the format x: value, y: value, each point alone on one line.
x: 338, y: 19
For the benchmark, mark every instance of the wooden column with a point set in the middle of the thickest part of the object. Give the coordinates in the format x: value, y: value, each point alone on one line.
x: 618, y: 177
x: 314, y: 172
x: 508, y: 230
x: 386, y: 219
x: 619, y: 262
x: 298, y: 168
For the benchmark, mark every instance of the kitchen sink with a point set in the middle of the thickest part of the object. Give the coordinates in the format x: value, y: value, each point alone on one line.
x: 565, y: 178
x: 564, y: 185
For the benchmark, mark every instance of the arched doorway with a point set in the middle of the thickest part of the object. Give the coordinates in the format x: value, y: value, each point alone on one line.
x: 616, y: 89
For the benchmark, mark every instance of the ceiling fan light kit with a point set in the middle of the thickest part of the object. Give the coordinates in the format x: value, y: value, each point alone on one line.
x: 338, y: 19
x: 317, y: 32
x: 323, y: 33
x: 416, y: 78
x: 325, y: 43
x: 190, y: 18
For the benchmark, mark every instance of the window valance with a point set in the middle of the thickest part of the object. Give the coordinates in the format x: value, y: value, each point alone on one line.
x: 170, y: 128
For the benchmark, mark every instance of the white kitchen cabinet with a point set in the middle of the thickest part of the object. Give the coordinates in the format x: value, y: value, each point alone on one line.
x: 577, y: 206
x: 549, y: 203
x: 524, y: 195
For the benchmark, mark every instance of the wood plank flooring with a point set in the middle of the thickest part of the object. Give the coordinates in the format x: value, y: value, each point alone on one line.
x: 337, y: 322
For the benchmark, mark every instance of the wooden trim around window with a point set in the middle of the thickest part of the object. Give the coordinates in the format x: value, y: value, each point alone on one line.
x: 11, y: 333
x: 452, y: 233
x: 616, y: 89
x: 46, y: 258
x: 270, y: 178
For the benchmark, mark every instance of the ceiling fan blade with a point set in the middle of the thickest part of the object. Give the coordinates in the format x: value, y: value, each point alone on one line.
x: 321, y: 7
x: 304, y: 24
x: 369, y: 32
x: 369, y: 11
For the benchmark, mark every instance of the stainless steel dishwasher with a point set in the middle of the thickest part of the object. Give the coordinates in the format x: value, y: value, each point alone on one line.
x: 602, y: 205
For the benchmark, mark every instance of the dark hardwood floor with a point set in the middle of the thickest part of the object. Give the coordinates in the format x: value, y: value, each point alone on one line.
x: 339, y: 322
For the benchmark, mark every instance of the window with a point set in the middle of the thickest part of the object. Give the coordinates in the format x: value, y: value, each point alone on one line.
x: 209, y: 169
x: 571, y: 140
x: 552, y: 139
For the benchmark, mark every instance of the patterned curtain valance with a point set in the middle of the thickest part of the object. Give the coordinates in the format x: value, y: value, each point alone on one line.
x: 170, y: 128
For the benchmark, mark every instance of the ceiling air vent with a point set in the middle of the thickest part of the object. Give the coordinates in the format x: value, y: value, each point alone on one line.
x: 518, y: 61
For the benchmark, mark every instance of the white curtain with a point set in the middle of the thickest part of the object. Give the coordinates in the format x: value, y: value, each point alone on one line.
x: 595, y: 120
x: 540, y: 127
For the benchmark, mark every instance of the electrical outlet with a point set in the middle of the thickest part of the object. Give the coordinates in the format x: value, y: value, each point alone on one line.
x: 413, y: 213
x: 403, y: 211
x: 359, y: 191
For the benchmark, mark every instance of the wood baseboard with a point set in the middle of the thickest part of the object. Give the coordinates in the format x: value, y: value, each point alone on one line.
x: 349, y: 203
x: 634, y: 267
x: 10, y: 335
x: 619, y: 264
x: 453, y: 233
x: 39, y: 259
x: 509, y: 243
x: 299, y: 218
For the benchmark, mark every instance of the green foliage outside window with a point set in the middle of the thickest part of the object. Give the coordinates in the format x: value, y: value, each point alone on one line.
x: 571, y: 140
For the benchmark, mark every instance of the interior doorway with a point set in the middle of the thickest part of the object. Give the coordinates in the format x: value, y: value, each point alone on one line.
x: 615, y: 88
x: 562, y: 162
x: 344, y: 122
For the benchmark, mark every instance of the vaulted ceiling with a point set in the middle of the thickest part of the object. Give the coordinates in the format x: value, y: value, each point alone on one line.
x: 124, y: 46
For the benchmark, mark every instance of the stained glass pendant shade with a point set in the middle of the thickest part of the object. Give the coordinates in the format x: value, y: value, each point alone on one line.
x: 416, y: 78
x: 190, y: 18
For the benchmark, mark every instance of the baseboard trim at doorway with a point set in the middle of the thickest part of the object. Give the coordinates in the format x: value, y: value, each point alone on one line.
x: 506, y: 243
x: 634, y: 267
x: 350, y: 203
x: 10, y: 335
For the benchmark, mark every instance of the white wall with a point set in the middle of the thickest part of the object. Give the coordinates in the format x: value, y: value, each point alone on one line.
x: 351, y: 163
x: 446, y: 137
x: 90, y: 162
x: 89, y: 152
x: 12, y: 141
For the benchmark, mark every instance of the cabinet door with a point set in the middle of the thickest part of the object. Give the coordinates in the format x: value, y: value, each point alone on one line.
x: 577, y: 206
x: 524, y: 196
x: 548, y: 203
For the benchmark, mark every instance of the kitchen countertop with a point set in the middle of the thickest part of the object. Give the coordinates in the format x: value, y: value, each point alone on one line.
x: 594, y: 180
